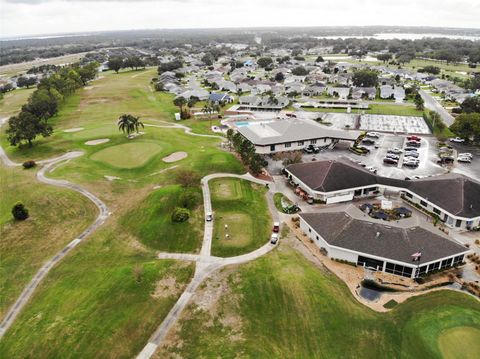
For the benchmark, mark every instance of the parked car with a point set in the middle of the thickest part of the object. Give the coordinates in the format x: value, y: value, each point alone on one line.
x: 410, y: 164
x: 465, y: 154
x: 411, y: 149
x: 413, y: 138
x: 411, y: 154
x: 308, y: 150
x: 209, y: 216
x: 395, y: 150
x: 368, y: 141
x: 446, y: 159
x: 314, y: 148
x: 392, y: 156
x: 373, y: 134
x: 371, y: 169
x: 413, y: 144
x: 457, y: 140
x: 276, y: 227
x: 464, y: 159
x: 274, y: 238
x: 390, y: 161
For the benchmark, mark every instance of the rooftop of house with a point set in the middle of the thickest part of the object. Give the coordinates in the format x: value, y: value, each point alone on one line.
x: 455, y: 193
x: 291, y: 130
x: 362, y: 235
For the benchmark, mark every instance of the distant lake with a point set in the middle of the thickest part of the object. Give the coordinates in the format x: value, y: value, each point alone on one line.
x: 401, y: 36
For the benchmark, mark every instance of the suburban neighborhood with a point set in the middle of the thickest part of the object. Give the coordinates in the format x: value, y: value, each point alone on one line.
x: 239, y: 192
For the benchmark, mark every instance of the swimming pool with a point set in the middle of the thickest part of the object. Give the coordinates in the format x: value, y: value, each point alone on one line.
x: 242, y: 123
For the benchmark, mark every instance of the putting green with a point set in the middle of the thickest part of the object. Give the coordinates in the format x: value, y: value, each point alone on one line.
x: 127, y: 155
x: 460, y: 342
x: 227, y: 189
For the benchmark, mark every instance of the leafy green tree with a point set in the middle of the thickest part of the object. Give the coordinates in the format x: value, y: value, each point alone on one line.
x: 419, y: 103
x: 365, y: 78
x: 42, y: 104
x: 265, y: 62
x: 26, y: 127
x: 88, y: 72
x: 384, y: 57
x: 467, y: 125
x: 279, y: 77
x: 24, y: 81
x: 300, y: 71
x: 434, y: 70
x: 319, y: 59
x: 471, y: 104
x: 208, y: 59
x: 180, y: 215
x: 115, y: 64
x: 19, y: 212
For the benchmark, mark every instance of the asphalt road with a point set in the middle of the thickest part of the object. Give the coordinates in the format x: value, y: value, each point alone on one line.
x: 205, y: 263
x: 432, y: 104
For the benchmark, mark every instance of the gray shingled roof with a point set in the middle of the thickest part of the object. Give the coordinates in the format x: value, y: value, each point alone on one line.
x: 291, y: 130
x: 455, y: 193
x: 341, y: 230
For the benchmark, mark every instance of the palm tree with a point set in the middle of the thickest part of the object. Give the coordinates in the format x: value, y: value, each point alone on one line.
x: 128, y: 124
x: 210, y: 108
x: 180, y: 102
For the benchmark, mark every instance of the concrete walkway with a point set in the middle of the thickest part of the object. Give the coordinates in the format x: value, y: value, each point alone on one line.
x: 205, y: 263
x: 49, y: 165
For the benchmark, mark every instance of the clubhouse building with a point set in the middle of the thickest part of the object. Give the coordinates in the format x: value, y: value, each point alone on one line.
x: 292, y: 135
x: 408, y: 252
x: 453, y: 198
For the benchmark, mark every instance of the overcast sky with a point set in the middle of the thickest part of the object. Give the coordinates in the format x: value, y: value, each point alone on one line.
x: 33, y: 17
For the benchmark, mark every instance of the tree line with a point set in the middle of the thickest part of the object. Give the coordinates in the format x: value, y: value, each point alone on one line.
x: 44, y: 103
x: 117, y: 63
x: 246, y: 151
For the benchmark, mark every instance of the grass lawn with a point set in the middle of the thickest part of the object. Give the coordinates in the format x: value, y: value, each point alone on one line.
x: 242, y: 206
x: 12, y: 101
x: 57, y: 216
x: 98, y: 301
x: 285, y: 307
x: 103, y: 301
x: 151, y: 222
x: 127, y: 155
x: 460, y: 342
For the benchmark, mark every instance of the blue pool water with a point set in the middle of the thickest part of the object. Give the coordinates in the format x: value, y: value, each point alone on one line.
x: 242, y: 123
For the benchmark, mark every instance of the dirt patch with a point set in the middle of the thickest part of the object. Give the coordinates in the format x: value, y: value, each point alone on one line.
x: 174, y: 157
x: 214, y: 297
x: 97, y: 142
x: 166, y: 287
x: 75, y: 129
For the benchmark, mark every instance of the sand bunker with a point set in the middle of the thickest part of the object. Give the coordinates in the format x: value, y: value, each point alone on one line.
x: 97, y: 142
x: 76, y: 129
x: 174, y: 157
x: 111, y: 178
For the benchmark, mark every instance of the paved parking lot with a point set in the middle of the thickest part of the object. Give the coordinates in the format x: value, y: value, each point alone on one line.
x: 427, y: 154
x: 382, y: 123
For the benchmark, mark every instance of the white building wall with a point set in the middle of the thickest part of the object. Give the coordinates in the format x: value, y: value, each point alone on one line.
x: 294, y: 146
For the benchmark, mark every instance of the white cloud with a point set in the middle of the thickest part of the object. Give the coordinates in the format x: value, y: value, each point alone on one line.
x: 26, y: 17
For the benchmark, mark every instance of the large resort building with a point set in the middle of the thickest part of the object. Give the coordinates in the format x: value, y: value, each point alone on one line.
x: 292, y: 135
x: 453, y: 198
x: 408, y: 252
